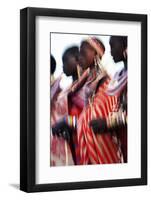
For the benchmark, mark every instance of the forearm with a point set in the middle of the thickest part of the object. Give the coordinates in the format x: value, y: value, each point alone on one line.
x: 113, y: 122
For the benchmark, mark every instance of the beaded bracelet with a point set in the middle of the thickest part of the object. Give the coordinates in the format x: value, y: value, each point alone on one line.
x: 116, y: 119
x: 70, y: 121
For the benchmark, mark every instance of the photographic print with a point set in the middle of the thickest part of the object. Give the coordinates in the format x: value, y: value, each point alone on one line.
x: 88, y: 90
x: 83, y: 99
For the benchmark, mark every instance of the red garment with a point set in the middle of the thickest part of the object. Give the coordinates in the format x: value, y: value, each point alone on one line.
x: 71, y: 102
x: 60, y: 152
x: 75, y: 111
x: 61, y: 106
x: 83, y: 90
x: 118, y: 86
x: 98, y: 148
x: 123, y: 139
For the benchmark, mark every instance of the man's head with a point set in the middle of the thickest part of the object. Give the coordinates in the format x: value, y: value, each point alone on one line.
x: 70, y: 61
x: 53, y: 64
x: 88, y: 52
x: 118, y: 48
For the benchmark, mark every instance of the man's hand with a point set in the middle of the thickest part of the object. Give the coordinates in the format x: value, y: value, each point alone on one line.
x: 61, y: 129
x: 98, y: 125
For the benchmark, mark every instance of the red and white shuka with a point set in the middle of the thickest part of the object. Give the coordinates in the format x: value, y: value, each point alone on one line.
x: 61, y: 106
x: 98, y: 148
x: 60, y: 152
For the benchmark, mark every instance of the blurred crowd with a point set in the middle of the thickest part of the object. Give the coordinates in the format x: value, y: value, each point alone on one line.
x: 89, y: 117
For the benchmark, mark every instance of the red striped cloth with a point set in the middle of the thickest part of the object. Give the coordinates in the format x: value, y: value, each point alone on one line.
x: 63, y: 105
x: 98, y: 148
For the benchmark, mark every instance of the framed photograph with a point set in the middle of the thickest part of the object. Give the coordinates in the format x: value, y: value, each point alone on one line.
x: 83, y: 99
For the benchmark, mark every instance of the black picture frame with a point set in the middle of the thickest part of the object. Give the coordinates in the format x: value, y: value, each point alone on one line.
x: 28, y: 98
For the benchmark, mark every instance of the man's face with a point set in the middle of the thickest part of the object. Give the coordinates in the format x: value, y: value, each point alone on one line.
x: 70, y: 67
x: 116, y: 49
x: 87, y: 55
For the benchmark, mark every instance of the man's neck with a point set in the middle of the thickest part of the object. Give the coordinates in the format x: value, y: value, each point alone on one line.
x: 75, y: 77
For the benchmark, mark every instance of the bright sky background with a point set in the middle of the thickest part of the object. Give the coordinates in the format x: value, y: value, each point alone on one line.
x: 59, y: 42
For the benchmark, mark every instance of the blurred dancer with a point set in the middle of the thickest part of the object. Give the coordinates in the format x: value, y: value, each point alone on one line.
x: 76, y: 95
x: 119, y: 84
x: 98, y: 148
x: 52, y: 67
x: 62, y: 152
x: 117, y: 121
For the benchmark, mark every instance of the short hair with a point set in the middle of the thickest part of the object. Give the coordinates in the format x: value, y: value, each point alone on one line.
x: 53, y: 64
x: 121, y: 39
x: 124, y: 40
x: 71, y: 51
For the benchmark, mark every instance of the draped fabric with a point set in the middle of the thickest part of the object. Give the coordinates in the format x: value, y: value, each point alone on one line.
x: 123, y: 137
x: 60, y: 152
x: 118, y: 87
x: 82, y: 91
x: 70, y: 102
x: 98, y: 148
x: 63, y: 105
x: 118, y: 83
